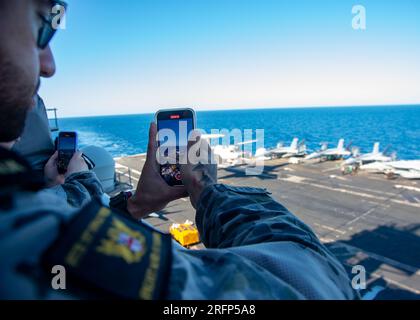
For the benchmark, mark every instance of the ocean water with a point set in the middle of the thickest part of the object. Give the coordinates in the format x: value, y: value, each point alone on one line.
x: 397, y: 127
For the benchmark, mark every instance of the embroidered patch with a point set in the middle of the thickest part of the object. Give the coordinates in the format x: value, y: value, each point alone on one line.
x: 104, y: 249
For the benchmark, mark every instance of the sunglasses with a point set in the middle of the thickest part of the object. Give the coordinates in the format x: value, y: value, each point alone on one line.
x: 48, y: 28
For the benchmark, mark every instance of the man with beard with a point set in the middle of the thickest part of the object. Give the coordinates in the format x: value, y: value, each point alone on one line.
x: 36, y: 144
x: 257, y: 249
x: 37, y: 147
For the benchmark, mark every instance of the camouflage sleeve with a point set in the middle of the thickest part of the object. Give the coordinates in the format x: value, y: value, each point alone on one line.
x: 79, y: 189
x: 277, y: 247
x: 237, y: 216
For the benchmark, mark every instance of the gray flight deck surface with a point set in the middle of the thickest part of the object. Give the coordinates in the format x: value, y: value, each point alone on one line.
x: 365, y: 219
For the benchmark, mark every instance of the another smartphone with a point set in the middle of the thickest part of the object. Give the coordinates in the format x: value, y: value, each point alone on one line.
x: 66, y: 147
x: 181, y: 122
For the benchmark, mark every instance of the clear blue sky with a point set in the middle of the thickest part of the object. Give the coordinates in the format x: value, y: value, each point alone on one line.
x: 119, y: 57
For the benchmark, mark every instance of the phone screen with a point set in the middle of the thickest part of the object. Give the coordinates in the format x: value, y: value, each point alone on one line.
x: 173, y: 130
x: 67, y: 144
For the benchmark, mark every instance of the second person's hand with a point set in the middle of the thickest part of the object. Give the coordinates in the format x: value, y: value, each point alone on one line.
x: 76, y: 165
x: 201, y: 169
x: 53, y: 177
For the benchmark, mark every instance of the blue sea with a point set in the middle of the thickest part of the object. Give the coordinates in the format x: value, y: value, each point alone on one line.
x: 397, y: 126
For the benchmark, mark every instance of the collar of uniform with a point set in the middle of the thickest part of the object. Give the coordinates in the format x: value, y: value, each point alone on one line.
x: 16, y: 174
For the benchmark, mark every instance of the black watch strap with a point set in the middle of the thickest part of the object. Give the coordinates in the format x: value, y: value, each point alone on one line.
x: 119, y: 202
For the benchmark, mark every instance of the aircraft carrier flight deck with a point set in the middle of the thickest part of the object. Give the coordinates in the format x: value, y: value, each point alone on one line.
x: 365, y: 219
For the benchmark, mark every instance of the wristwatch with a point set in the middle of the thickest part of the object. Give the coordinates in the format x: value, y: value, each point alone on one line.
x: 119, y: 202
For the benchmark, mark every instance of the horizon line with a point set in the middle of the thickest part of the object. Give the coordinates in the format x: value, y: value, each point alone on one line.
x: 249, y: 108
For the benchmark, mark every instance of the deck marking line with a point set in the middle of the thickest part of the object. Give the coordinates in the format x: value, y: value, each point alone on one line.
x: 398, y: 186
x: 300, y: 180
x: 389, y: 261
x: 119, y: 165
x: 351, y: 187
x: 330, y: 228
x: 394, y: 282
x: 360, y: 217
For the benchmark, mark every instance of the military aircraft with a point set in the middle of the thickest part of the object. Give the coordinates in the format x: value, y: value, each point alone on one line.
x: 331, y: 154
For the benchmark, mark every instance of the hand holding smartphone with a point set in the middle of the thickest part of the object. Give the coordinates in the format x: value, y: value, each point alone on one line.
x: 174, y: 127
x: 66, y: 147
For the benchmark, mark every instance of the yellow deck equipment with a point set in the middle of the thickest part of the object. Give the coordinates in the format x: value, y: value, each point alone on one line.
x: 186, y: 234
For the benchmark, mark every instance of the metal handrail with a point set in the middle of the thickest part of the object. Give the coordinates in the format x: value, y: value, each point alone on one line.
x: 54, y: 128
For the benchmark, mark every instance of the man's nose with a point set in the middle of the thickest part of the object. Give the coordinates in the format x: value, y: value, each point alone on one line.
x: 47, y: 63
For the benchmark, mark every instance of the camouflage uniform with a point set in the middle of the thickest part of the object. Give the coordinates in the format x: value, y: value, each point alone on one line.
x: 78, y: 189
x: 36, y: 144
x: 256, y: 250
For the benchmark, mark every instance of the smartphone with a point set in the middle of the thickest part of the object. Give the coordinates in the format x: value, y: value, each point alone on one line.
x: 66, y: 147
x: 181, y: 122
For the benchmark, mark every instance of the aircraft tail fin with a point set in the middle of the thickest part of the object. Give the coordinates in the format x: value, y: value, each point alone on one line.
x: 375, y: 148
x: 355, y: 151
x: 394, y: 156
x: 261, y: 152
x: 340, y: 144
x: 294, y: 144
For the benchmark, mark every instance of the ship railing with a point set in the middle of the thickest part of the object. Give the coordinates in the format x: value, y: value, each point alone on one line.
x: 53, y: 119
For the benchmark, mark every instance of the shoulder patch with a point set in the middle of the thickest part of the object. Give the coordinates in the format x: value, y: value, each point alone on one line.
x: 110, y: 252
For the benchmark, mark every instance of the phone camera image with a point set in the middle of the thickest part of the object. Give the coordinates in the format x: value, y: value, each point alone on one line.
x: 174, y: 126
x: 171, y: 173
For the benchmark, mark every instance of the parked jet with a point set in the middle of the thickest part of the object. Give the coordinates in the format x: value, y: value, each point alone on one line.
x: 331, y: 154
x: 374, y: 156
x: 295, y: 149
